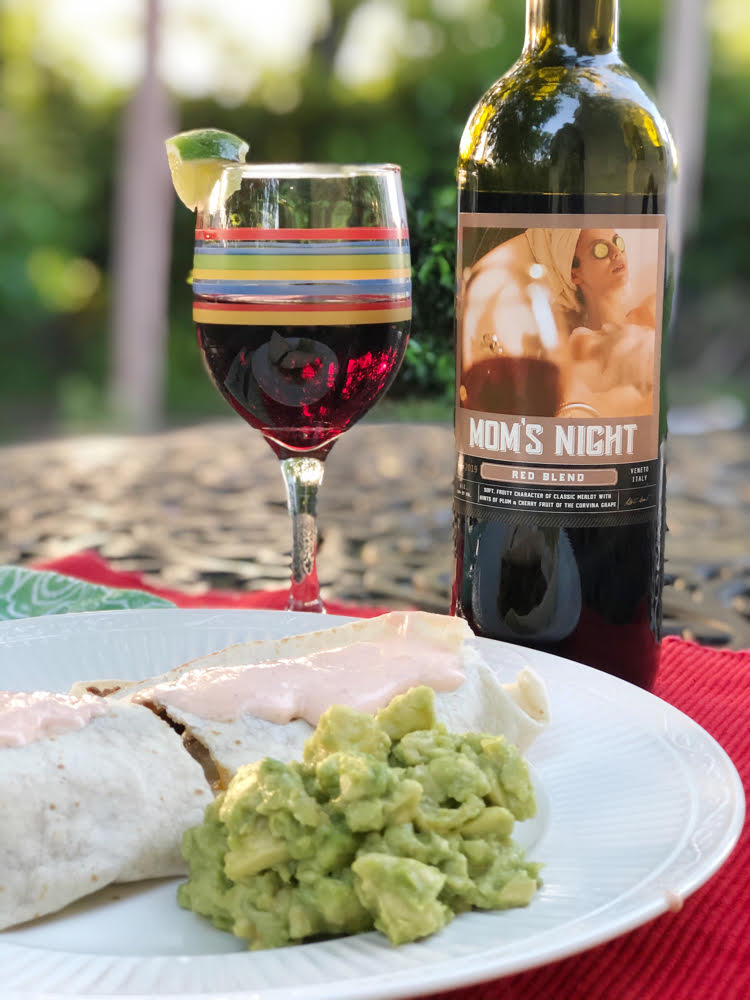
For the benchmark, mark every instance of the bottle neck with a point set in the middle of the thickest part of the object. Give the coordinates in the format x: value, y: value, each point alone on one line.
x: 585, y: 27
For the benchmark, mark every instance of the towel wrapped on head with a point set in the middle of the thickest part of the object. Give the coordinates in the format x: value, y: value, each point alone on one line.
x: 554, y: 249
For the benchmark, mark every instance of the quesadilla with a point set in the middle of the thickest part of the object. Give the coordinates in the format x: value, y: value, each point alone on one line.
x: 264, y: 697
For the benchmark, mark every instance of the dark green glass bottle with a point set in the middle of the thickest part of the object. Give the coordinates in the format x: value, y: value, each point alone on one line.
x: 565, y: 286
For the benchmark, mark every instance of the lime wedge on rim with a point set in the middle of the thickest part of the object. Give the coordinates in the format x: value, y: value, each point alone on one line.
x: 196, y: 159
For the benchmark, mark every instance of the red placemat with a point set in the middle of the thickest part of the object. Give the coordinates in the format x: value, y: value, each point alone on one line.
x: 91, y: 567
x: 701, y: 953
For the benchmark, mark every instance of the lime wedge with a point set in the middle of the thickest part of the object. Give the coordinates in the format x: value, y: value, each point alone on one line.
x: 196, y: 159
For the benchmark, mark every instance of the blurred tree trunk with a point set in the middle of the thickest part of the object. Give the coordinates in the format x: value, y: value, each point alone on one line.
x: 142, y: 243
x: 683, y: 98
x: 327, y: 44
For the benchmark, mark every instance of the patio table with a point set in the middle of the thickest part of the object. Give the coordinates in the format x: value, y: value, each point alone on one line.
x: 203, y: 507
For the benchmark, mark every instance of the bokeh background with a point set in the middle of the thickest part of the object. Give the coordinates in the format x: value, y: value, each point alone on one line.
x: 95, y: 328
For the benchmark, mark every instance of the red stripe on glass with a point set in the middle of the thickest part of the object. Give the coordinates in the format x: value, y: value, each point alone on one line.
x: 356, y: 233
x: 300, y: 306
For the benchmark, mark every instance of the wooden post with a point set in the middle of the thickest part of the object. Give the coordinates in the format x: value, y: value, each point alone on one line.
x: 683, y: 98
x: 142, y: 243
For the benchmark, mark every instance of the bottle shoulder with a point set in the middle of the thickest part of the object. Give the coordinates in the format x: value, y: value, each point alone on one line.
x: 542, y: 115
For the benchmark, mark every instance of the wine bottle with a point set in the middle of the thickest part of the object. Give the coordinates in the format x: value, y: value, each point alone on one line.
x: 564, y: 292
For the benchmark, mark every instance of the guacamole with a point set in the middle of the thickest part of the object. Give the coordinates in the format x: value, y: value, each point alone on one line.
x: 388, y: 822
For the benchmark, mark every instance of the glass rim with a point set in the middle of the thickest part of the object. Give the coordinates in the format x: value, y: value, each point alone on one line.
x: 310, y: 170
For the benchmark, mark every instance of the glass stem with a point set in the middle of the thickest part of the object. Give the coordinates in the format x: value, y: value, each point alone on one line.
x: 303, y: 474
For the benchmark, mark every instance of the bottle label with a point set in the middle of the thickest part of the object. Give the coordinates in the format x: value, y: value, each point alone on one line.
x: 558, y: 352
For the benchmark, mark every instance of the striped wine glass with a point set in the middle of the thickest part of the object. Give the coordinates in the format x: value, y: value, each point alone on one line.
x: 302, y: 302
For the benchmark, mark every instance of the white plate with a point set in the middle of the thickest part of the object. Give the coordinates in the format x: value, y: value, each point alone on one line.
x: 639, y: 807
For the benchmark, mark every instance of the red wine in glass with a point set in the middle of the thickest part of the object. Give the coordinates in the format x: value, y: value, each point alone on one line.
x: 512, y: 385
x: 302, y: 386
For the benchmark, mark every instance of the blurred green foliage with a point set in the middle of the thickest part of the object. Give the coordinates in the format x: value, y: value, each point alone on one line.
x: 58, y: 163
x: 428, y: 367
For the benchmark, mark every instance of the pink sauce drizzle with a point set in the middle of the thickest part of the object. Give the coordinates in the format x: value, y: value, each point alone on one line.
x: 363, y: 675
x: 29, y: 716
x: 674, y: 901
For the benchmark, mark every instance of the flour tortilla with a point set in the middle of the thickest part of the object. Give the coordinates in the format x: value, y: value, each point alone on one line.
x: 518, y: 710
x: 87, y: 807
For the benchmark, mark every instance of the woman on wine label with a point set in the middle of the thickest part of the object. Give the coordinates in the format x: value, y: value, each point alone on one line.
x: 608, y: 349
x: 612, y: 347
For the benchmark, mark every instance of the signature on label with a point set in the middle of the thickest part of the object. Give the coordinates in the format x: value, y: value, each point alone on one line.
x: 633, y: 500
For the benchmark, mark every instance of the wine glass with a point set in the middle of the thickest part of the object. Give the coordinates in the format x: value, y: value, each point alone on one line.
x: 302, y: 303
x: 514, y: 359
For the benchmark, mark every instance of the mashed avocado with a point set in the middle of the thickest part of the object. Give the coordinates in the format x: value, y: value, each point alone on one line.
x: 388, y: 821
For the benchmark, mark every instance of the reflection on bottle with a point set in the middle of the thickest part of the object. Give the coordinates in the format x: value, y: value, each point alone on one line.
x: 525, y: 583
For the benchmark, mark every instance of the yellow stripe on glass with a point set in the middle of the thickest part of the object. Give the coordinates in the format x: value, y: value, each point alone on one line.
x: 396, y: 314
x: 200, y: 274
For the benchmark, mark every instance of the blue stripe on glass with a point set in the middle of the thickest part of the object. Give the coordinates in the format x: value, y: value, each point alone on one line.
x: 302, y: 288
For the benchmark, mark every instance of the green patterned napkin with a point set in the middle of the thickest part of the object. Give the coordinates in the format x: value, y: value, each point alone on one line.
x: 27, y: 593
